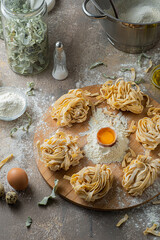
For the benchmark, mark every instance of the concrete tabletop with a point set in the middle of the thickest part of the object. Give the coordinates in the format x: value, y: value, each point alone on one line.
x: 85, y: 42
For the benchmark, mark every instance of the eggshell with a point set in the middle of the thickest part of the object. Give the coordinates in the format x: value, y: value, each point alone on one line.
x: 17, y: 178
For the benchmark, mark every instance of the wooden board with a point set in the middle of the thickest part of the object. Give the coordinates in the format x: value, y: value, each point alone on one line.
x: 117, y: 198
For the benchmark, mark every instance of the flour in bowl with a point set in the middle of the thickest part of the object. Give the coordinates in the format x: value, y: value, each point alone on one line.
x: 98, y: 154
x: 137, y: 11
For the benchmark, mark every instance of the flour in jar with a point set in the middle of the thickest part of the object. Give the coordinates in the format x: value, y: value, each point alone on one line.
x: 95, y: 152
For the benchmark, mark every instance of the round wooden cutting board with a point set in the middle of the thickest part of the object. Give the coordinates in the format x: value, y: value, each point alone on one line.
x: 117, y: 198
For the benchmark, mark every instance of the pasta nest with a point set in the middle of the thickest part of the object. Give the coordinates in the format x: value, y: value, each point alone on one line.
x: 140, y: 174
x: 60, y: 151
x: 148, y: 132
x: 122, y: 95
x: 92, y: 183
x: 71, y: 108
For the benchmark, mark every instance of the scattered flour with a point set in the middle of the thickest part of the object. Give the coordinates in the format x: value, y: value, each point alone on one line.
x: 99, y: 154
x: 21, y: 144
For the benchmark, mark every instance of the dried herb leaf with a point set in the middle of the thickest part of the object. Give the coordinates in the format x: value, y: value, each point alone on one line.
x: 44, y: 201
x: 96, y: 64
x: 13, y: 130
x: 142, y: 55
x: 28, y: 222
x: 149, y: 67
x: 31, y: 86
x: 30, y: 93
x: 125, y: 69
x: 24, y: 128
x: 109, y: 77
x: 52, y: 196
x: 29, y: 121
x: 139, y: 81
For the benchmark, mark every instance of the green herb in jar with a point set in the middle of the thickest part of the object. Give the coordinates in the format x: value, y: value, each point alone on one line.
x: 18, y: 6
x: 26, y: 38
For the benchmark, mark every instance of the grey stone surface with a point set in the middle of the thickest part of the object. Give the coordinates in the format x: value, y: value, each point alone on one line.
x: 85, y: 43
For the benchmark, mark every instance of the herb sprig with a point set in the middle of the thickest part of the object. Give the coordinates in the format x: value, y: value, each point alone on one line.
x: 125, y: 69
x: 31, y: 86
x: 139, y: 81
x: 24, y: 128
x: 51, y: 196
x: 140, y: 57
x: 13, y: 130
x: 28, y: 222
x: 109, y: 77
x: 96, y: 64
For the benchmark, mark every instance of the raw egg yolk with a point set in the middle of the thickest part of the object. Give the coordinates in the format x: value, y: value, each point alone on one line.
x: 106, y: 136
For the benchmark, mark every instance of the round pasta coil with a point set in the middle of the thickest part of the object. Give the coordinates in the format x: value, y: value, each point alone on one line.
x: 123, y: 96
x: 148, y: 132
x: 92, y: 183
x: 140, y: 174
x: 60, y: 151
x: 71, y: 108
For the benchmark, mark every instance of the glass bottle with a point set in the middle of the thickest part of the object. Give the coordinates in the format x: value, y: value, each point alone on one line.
x: 60, y: 71
x: 26, y: 35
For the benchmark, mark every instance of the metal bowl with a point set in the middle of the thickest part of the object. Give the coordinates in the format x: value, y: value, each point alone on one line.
x: 125, y: 36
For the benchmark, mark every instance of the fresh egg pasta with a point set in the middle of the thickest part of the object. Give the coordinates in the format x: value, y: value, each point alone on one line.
x: 92, y: 183
x: 140, y: 174
x: 60, y: 151
x: 71, y: 108
x: 148, y: 132
x: 123, y: 96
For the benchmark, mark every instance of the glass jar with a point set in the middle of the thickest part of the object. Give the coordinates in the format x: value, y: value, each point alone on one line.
x: 1, y: 29
x: 26, y: 35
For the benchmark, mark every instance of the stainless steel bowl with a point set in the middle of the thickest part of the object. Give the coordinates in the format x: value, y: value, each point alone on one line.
x: 125, y: 36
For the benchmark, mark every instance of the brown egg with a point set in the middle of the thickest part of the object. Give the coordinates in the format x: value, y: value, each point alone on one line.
x: 17, y: 178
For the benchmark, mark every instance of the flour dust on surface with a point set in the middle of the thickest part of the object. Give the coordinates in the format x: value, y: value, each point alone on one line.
x: 99, y: 154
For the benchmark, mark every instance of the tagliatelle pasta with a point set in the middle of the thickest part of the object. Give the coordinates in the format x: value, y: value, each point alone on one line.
x: 128, y: 158
x: 132, y: 128
x: 140, y: 174
x: 148, y: 132
x: 123, y: 96
x: 152, y: 230
x: 5, y: 160
x: 60, y: 151
x: 72, y: 107
x: 153, y: 111
x: 156, y: 202
x: 122, y: 220
x: 92, y: 183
